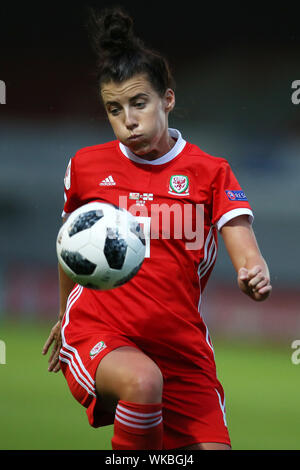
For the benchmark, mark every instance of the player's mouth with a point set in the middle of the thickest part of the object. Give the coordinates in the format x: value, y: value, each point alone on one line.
x: 134, y: 138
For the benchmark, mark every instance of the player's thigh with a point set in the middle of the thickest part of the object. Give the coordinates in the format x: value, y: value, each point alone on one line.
x: 126, y: 373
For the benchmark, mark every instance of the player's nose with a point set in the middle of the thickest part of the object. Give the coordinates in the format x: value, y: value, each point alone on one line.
x: 130, y: 120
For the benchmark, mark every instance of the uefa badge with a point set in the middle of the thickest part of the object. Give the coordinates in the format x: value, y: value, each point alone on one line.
x: 97, y: 348
x: 179, y: 185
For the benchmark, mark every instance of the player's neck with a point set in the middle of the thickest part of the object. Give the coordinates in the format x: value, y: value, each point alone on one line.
x: 163, y: 147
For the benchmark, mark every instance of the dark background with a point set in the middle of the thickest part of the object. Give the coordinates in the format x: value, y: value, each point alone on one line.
x: 48, y: 65
x: 233, y: 66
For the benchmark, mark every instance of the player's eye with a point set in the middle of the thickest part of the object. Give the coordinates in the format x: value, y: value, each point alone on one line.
x: 114, y: 111
x: 140, y: 104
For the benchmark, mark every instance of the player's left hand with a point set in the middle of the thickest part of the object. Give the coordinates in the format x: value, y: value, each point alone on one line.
x: 254, y: 282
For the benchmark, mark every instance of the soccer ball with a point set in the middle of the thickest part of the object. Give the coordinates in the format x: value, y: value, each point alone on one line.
x: 101, y: 246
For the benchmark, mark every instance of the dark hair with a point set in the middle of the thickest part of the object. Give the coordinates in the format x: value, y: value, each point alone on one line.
x: 121, y: 55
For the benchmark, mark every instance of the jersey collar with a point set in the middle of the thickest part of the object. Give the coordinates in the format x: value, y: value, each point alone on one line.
x: 178, y: 147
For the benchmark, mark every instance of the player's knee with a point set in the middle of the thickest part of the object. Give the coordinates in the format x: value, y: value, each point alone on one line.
x: 144, y: 386
x: 130, y: 377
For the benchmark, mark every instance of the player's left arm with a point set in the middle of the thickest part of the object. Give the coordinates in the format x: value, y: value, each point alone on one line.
x: 252, y: 270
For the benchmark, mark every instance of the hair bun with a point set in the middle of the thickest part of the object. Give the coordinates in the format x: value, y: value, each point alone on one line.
x: 118, y: 26
x: 120, y: 54
x: 113, y: 32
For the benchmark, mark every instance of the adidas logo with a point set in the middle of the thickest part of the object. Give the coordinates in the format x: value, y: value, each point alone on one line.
x: 109, y: 181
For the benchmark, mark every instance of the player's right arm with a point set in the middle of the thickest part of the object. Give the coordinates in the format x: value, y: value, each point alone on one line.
x: 65, y: 283
x: 65, y: 287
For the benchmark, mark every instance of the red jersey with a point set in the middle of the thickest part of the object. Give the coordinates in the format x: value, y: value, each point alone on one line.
x: 183, y: 198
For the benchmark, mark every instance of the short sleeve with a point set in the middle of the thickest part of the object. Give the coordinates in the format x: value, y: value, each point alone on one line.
x: 229, y: 200
x: 70, y: 189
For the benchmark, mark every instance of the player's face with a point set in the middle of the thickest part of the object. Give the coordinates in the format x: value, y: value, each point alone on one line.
x: 139, y: 115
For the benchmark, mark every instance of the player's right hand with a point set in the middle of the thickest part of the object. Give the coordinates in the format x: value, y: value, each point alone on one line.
x: 55, y: 338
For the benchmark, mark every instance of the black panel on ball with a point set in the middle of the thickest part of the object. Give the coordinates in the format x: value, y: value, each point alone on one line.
x: 85, y: 221
x: 115, y: 249
x: 77, y: 263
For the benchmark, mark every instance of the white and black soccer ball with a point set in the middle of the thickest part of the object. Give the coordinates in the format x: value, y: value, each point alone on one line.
x: 101, y: 246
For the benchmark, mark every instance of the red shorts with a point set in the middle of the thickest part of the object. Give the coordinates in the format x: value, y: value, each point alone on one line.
x: 193, y: 403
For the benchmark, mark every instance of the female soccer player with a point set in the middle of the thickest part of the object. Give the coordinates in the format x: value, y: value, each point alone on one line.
x: 140, y: 356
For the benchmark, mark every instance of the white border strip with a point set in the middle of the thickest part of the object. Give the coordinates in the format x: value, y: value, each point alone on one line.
x: 232, y: 214
x: 209, y: 256
x: 222, y: 406
x: 141, y: 426
x: 63, y: 359
x: 135, y: 413
x: 84, y: 374
x: 71, y: 363
x: 136, y: 420
x: 176, y: 150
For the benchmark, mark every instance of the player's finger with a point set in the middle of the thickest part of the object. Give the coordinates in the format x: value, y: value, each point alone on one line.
x: 53, y: 362
x: 48, y: 343
x: 264, y: 282
x: 55, y: 351
x: 254, y: 271
x: 265, y: 289
x: 57, y: 367
x: 256, y: 280
x: 52, y: 355
x: 54, y: 358
x: 243, y: 274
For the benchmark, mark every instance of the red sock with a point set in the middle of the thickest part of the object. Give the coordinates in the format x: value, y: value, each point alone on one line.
x: 138, y: 426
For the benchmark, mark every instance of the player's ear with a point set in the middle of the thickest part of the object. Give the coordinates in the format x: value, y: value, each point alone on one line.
x: 169, y: 99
